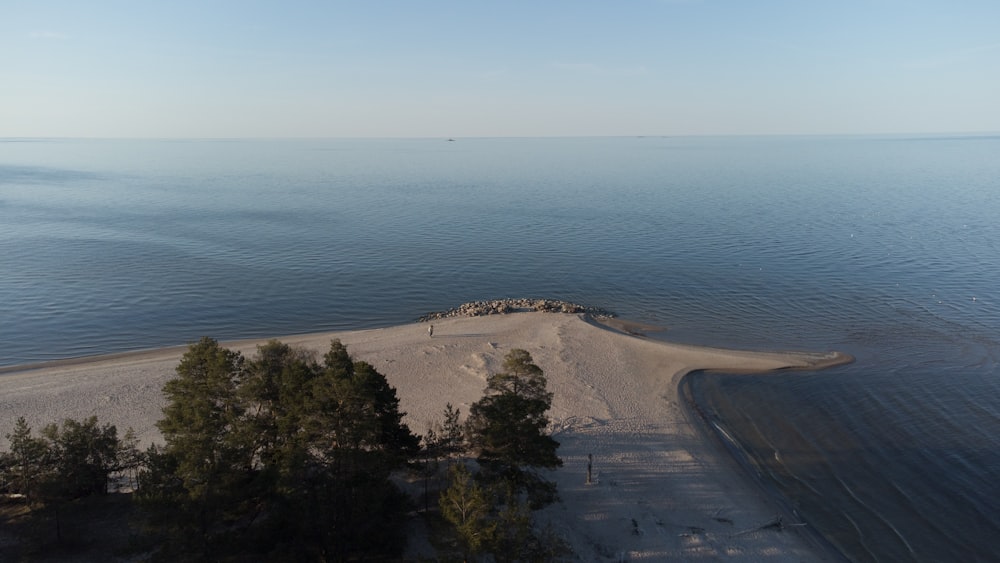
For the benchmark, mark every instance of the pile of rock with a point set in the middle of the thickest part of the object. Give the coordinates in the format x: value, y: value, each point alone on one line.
x: 504, y: 306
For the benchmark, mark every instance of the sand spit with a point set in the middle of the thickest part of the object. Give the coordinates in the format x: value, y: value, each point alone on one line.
x: 660, y: 489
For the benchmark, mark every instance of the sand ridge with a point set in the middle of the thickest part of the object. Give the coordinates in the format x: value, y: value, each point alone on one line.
x: 660, y: 489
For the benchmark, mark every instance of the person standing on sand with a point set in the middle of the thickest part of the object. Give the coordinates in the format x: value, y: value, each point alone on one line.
x: 430, y: 331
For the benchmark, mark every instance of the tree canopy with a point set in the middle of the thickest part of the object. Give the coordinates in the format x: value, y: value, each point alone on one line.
x: 508, y: 427
x: 279, y: 454
x: 507, y: 430
x: 65, y: 463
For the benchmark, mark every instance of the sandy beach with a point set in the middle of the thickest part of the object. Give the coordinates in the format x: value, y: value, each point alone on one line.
x: 662, y: 488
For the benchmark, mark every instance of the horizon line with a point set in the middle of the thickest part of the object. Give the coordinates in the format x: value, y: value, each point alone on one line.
x: 15, y: 138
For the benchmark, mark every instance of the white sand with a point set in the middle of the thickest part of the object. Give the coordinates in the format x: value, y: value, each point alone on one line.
x: 663, y: 489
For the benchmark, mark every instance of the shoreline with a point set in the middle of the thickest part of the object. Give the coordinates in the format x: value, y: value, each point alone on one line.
x: 662, y: 489
x: 739, y: 458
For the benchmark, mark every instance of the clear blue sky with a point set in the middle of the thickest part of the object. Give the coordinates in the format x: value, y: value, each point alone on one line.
x: 426, y: 68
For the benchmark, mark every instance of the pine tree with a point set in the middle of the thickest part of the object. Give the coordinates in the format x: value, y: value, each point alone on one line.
x: 66, y: 463
x: 130, y: 459
x: 196, y: 485
x: 26, y: 463
x: 452, y: 435
x: 515, y: 533
x: 83, y: 457
x: 508, y: 428
x: 279, y: 456
x: 468, y: 506
x: 358, y: 437
x: 441, y: 440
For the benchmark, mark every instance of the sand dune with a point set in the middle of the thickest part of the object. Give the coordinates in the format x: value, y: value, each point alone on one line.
x: 662, y: 487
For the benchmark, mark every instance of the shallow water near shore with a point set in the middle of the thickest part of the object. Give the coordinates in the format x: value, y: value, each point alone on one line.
x: 882, y: 247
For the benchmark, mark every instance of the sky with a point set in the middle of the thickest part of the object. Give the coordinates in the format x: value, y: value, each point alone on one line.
x: 470, y: 68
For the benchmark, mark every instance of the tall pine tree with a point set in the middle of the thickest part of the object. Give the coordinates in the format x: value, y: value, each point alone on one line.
x: 197, y: 483
x: 279, y: 456
x: 508, y: 428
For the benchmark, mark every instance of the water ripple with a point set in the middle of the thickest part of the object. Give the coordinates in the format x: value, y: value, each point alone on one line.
x: 881, y: 247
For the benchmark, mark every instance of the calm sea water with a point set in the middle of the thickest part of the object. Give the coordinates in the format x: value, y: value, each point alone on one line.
x: 887, y: 248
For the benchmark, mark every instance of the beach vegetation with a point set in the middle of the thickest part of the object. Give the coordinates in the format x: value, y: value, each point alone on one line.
x: 26, y: 461
x: 442, y: 440
x: 507, y: 431
x: 507, y: 428
x: 197, y: 485
x: 80, y: 459
x: 278, y: 456
x: 283, y: 456
x: 468, y: 506
x: 65, y: 463
x: 82, y: 456
x: 451, y: 433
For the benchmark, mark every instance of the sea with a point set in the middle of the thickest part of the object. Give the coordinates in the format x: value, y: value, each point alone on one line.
x: 883, y: 247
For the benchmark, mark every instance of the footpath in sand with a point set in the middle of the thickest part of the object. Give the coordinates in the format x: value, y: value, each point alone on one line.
x: 661, y: 488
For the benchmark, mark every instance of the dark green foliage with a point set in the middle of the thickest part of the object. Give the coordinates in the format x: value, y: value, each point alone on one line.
x: 130, y: 459
x: 334, y: 477
x: 198, y: 482
x: 441, y: 440
x: 446, y: 438
x: 278, y: 456
x: 452, y: 435
x: 490, y: 516
x: 508, y: 428
x: 27, y: 462
x: 515, y: 532
x: 82, y: 456
x: 65, y: 464
x: 468, y: 506
x: 517, y: 538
